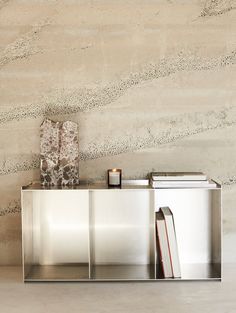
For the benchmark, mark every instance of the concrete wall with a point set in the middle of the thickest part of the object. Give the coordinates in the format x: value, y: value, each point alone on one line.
x: 152, y: 84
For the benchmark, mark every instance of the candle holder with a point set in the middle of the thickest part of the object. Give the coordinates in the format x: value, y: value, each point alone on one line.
x: 114, y: 178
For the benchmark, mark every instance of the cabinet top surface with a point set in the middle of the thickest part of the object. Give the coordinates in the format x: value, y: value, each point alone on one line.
x: 126, y: 185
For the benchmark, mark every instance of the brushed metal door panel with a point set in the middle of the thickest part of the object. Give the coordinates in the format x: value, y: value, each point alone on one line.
x: 192, y: 210
x: 122, y: 227
x: 61, y: 226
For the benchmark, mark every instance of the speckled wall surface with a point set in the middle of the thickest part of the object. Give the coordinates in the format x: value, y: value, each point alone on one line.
x: 152, y: 84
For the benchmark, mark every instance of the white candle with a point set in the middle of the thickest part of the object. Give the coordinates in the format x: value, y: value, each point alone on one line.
x: 114, y: 178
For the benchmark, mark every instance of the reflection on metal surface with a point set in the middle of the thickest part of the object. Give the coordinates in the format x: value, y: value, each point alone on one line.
x: 79, y: 272
x: 123, y: 272
x: 59, y: 272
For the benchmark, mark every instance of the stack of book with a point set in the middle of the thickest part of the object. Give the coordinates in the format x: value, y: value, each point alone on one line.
x: 167, y: 249
x: 180, y: 180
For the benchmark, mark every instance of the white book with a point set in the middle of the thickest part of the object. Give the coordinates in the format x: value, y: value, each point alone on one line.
x: 172, y: 241
x: 185, y: 176
x: 162, y: 245
x: 183, y: 184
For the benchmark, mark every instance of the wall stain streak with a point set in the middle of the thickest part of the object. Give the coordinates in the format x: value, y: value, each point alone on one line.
x: 159, y: 132
x: 217, y: 7
x: 12, y: 208
x: 23, y: 47
x: 162, y: 131
x: 18, y: 163
x: 86, y: 99
x: 229, y: 181
x: 3, y: 3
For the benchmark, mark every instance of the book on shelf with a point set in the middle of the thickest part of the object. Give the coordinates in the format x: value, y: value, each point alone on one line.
x: 162, y: 246
x: 182, y: 176
x: 167, y: 248
x: 183, y: 184
x: 172, y: 241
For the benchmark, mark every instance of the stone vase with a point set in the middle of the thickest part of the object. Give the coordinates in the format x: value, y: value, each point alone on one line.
x: 59, y: 153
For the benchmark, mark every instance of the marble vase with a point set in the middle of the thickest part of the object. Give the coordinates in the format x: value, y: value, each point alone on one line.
x: 59, y: 153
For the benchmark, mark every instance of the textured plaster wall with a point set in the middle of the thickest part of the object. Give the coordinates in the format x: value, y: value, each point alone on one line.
x: 152, y: 84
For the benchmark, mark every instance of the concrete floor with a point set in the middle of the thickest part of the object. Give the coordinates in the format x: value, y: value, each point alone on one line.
x: 116, y: 297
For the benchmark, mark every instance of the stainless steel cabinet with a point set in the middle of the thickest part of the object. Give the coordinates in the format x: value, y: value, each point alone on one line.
x: 94, y: 233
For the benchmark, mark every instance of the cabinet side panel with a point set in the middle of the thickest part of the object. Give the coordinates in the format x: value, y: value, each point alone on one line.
x: 27, y: 231
x: 216, y: 226
x: 152, y: 229
x: 91, y: 249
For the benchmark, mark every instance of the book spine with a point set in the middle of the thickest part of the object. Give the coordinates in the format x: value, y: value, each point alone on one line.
x: 159, y: 253
x: 179, y: 178
x: 179, y: 185
x: 168, y: 242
